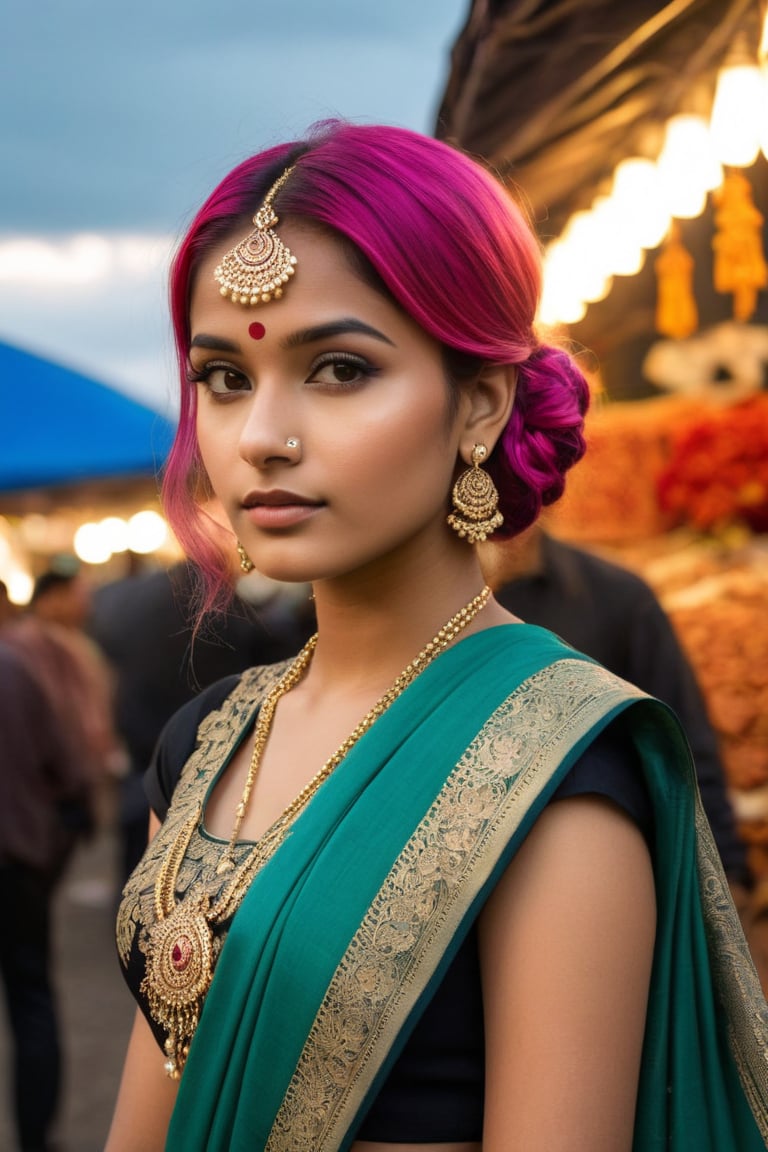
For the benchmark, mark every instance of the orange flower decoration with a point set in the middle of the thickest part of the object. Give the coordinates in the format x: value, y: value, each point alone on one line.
x: 717, y: 474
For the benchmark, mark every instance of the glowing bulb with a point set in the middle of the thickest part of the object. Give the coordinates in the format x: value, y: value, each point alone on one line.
x: 560, y: 300
x: 20, y: 585
x: 115, y: 532
x: 638, y: 199
x: 687, y: 166
x: 147, y: 531
x: 621, y: 253
x: 91, y: 544
x: 572, y: 311
x: 737, y: 114
x: 573, y: 258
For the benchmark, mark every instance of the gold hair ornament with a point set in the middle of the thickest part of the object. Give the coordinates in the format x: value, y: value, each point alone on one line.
x: 255, y: 270
x: 475, y: 512
x: 181, y: 956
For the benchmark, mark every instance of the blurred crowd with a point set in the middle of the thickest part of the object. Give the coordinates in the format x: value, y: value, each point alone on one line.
x: 88, y: 677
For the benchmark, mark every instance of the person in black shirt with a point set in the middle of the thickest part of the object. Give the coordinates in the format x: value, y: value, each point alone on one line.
x: 613, y: 615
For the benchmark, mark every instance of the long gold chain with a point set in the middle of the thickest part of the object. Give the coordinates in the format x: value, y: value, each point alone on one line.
x: 439, y: 641
x: 180, y: 950
x: 263, y: 726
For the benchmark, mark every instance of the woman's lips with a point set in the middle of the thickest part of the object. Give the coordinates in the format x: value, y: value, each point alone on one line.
x: 280, y: 515
x: 278, y: 509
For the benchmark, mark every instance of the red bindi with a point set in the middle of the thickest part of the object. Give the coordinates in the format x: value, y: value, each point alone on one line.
x: 256, y: 331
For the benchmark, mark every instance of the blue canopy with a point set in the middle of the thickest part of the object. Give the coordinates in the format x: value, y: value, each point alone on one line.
x: 59, y: 427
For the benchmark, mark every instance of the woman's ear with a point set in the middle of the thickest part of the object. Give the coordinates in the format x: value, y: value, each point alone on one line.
x: 488, y: 406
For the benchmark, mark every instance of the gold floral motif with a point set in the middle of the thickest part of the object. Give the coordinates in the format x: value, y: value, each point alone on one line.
x: 217, y: 737
x: 735, y: 978
x: 178, y: 974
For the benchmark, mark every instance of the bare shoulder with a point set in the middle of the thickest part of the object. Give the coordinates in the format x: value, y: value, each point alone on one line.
x: 566, y: 943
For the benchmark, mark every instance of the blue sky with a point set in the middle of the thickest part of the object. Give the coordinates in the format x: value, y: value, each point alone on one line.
x: 117, y: 119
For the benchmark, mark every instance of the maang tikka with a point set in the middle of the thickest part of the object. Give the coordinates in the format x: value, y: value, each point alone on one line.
x: 255, y: 270
x: 475, y: 512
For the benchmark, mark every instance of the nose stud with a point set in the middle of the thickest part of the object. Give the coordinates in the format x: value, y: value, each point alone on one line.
x: 293, y: 443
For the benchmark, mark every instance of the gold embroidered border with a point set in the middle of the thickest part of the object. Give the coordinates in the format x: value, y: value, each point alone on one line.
x: 451, y: 854
x: 217, y: 738
x: 736, y: 981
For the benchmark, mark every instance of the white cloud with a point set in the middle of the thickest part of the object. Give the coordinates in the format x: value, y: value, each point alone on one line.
x: 96, y: 302
x: 84, y: 258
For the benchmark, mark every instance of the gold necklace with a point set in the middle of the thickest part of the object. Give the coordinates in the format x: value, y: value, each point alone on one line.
x: 180, y: 951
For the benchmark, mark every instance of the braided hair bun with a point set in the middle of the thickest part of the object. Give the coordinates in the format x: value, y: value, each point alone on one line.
x: 544, y: 437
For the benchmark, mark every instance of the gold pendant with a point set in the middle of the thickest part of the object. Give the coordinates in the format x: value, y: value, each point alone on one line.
x: 178, y: 975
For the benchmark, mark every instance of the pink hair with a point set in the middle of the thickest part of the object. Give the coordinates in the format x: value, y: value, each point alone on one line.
x: 454, y: 251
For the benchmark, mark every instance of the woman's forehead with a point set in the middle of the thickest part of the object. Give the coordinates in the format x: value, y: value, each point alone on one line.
x: 326, y: 277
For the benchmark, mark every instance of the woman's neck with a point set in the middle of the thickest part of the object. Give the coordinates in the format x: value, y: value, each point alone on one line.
x: 370, y: 627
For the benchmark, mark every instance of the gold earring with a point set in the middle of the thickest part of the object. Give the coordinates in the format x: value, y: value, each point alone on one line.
x: 475, y: 501
x: 246, y: 564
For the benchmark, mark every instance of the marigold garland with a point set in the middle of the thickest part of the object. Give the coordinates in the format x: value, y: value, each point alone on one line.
x: 717, y: 473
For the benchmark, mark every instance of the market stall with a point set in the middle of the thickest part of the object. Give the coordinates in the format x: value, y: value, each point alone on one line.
x: 78, y: 470
x: 637, y: 137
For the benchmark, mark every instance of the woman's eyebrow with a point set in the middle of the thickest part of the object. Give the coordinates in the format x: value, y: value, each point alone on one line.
x: 332, y: 328
x: 214, y: 343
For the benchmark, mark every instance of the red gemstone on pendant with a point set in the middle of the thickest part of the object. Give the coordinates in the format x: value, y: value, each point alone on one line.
x: 181, y: 953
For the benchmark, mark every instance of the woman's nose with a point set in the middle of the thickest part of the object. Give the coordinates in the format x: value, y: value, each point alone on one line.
x: 269, y: 435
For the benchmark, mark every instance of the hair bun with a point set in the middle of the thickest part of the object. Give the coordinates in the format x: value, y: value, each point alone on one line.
x: 544, y: 436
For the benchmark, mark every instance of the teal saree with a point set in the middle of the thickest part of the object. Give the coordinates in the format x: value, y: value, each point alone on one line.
x: 347, y: 929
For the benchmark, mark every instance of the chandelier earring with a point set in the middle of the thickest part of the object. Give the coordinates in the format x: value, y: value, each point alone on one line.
x: 246, y: 564
x: 475, y: 513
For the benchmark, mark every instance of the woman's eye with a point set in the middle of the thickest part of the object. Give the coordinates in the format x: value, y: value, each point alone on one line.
x: 222, y: 380
x: 340, y: 371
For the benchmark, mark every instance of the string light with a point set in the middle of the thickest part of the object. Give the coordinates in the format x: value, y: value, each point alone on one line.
x: 687, y: 166
x: 96, y: 542
x: 619, y: 249
x: 638, y: 194
x: 611, y: 238
x: 738, y: 109
x: 579, y: 246
x: 560, y: 301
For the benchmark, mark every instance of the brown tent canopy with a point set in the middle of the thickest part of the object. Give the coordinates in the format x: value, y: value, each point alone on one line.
x: 554, y: 93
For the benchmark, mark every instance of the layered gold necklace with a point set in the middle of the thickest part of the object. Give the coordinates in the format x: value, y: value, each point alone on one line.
x: 180, y: 952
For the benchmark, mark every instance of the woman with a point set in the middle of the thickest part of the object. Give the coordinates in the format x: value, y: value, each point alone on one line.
x: 469, y: 919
